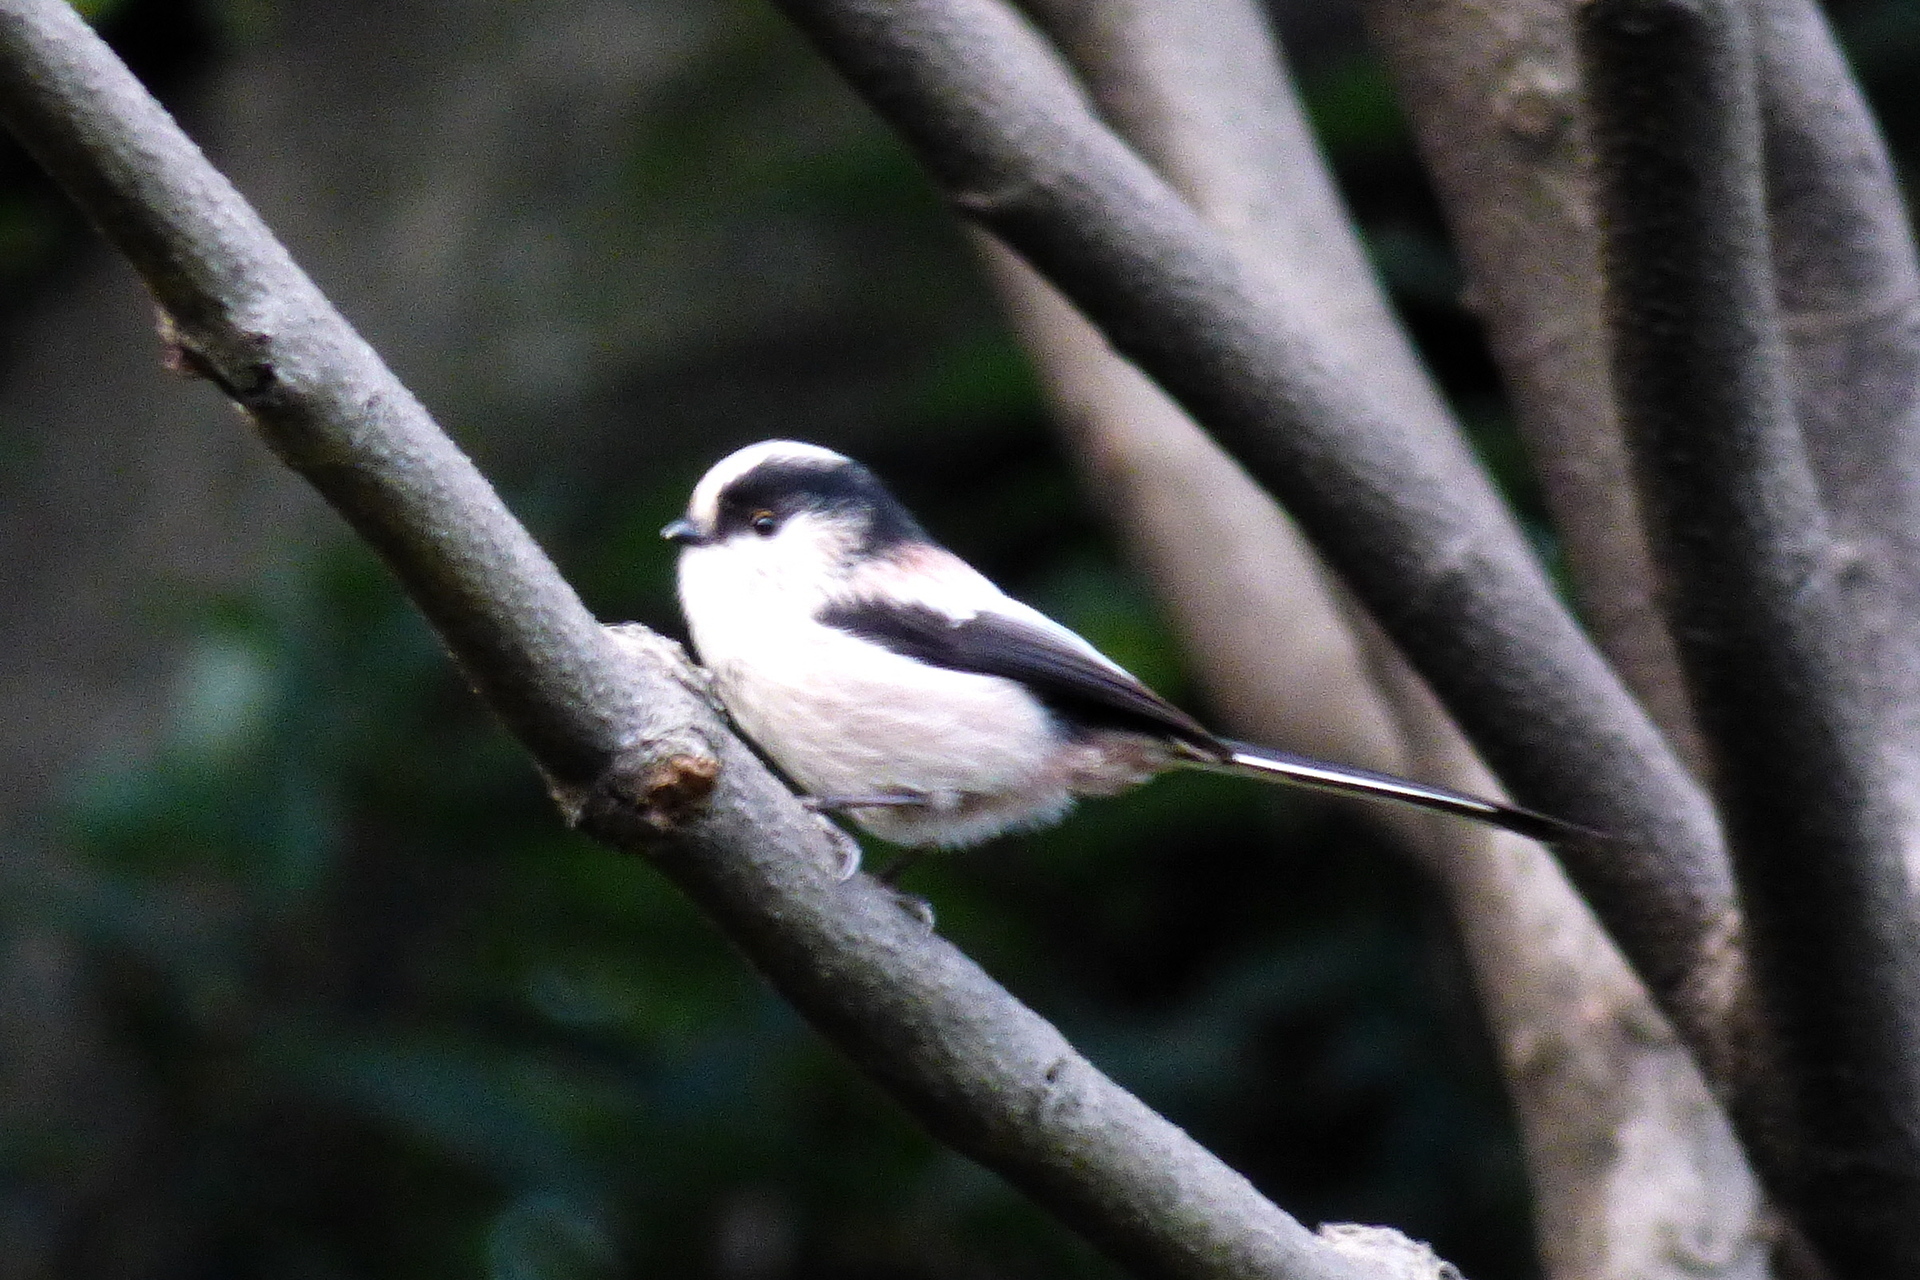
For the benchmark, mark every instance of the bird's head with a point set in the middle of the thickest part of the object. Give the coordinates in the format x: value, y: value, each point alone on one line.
x: 789, y: 514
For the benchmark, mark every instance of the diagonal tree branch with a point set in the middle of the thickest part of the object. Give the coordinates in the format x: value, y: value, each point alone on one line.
x: 1408, y: 519
x: 615, y: 717
x: 1267, y: 641
x: 1197, y: 89
x: 1754, y: 588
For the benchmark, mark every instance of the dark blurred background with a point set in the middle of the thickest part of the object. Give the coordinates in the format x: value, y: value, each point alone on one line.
x: 300, y: 976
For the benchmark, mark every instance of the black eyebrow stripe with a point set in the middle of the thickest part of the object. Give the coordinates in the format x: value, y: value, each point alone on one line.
x: 786, y: 485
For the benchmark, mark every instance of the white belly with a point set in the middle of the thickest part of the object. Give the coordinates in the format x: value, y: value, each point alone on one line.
x: 844, y: 717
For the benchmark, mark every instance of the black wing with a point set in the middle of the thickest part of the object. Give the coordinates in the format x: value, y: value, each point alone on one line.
x: 1080, y: 689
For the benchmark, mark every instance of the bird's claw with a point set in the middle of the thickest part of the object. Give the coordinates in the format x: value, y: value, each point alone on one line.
x: 841, y: 804
x: 917, y: 907
x: 848, y: 849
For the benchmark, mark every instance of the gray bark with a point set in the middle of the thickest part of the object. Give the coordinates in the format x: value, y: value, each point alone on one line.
x: 1634, y: 1168
x: 1849, y: 289
x: 1755, y: 589
x: 1491, y: 93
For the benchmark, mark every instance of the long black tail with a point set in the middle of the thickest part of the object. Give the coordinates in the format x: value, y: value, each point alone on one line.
x: 1264, y: 762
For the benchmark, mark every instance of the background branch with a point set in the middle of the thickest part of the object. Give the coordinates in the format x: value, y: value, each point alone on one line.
x: 1753, y: 587
x: 1849, y: 288
x: 1254, y: 613
x: 1634, y: 1169
x: 615, y: 718
x: 1408, y: 519
x: 1490, y: 92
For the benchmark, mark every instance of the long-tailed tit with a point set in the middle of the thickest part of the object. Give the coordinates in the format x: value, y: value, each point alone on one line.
x: 890, y: 679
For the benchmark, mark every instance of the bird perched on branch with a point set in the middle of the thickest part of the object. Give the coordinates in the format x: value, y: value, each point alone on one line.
x: 894, y: 682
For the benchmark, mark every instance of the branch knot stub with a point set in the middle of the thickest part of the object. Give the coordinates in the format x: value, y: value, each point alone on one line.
x: 648, y: 790
x: 1534, y: 102
x: 1387, y: 1252
x: 664, y: 791
x: 659, y: 781
x: 1061, y: 1098
x: 244, y: 380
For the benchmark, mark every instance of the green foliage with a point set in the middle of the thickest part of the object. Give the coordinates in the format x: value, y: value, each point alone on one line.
x: 1351, y: 104
x: 97, y: 11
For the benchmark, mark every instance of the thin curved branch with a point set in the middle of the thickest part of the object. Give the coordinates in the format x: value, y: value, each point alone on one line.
x: 1754, y: 590
x: 1409, y: 520
x: 1849, y: 287
x: 614, y: 717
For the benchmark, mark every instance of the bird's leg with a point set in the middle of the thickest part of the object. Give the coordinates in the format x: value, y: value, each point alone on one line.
x: 841, y: 804
x: 845, y: 845
x: 905, y: 860
x: 919, y: 908
x: 911, y: 903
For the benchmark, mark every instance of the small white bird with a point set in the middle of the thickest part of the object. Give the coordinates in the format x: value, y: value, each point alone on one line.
x: 890, y: 679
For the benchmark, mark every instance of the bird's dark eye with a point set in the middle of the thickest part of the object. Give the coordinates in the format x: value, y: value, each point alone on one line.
x: 763, y: 523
